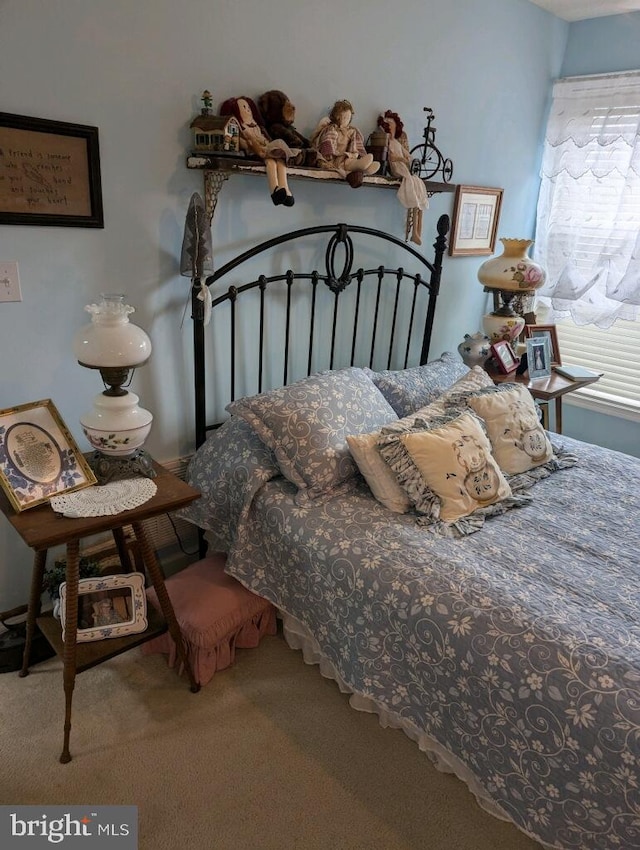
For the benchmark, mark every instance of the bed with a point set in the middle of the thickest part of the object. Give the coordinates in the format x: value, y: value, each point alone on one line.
x: 505, y: 640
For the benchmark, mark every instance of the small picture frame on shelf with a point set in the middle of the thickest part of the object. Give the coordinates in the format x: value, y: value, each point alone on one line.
x: 548, y: 331
x: 38, y: 456
x: 505, y: 357
x: 108, y: 606
x: 538, y: 357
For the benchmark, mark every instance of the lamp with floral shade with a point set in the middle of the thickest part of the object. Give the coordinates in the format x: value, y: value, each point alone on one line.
x: 510, y: 274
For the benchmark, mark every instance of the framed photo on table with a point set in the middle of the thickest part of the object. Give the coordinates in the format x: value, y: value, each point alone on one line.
x: 538, y: 357
x: 549, y: 332
x: 476, y: 213
x: 109, y: 606
x: 505, y: 356
x: 38, y: 456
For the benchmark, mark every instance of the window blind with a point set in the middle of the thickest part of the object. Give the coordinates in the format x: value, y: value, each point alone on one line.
x: 588, y: 230
x: 614, y: 351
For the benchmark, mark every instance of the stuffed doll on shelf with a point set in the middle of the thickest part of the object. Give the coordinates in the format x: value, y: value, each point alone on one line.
x: 279, y: 114
x: 412, y: 193
x: 255, y: 140
x: 340, y: 146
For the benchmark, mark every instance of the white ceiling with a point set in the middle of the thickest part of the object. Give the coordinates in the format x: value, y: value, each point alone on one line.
x: 580, y: 10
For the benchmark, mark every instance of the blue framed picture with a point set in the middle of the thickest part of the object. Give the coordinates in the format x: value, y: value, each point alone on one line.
x: 538, y: 357
x: 38, y: 456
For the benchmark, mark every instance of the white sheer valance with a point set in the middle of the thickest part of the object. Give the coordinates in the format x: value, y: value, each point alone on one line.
x: 588, y: 219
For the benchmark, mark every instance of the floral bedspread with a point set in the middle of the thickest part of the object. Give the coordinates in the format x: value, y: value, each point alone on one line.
x: 517, y: 648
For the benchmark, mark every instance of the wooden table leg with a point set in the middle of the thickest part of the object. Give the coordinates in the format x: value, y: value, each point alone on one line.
x: 33, y: 610
x: 157, y: 578
x: 123, y: 550
x: 559, y: 415
x: 70, y: 637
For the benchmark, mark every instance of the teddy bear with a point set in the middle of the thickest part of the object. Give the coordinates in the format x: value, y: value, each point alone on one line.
x: 279, y: 114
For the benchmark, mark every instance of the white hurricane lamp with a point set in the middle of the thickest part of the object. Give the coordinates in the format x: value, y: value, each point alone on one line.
x: 116, y: 426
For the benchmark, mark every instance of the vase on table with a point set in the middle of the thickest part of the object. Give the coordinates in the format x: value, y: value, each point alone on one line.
x: 475, y: 349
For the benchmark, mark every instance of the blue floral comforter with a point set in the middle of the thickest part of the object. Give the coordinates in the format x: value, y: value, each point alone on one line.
x: 516, y: 648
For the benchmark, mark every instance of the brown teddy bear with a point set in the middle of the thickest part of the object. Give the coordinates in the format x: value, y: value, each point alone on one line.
x: 279, y: 114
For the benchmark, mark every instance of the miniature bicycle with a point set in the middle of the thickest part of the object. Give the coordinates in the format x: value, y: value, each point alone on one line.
x: 427, y: 160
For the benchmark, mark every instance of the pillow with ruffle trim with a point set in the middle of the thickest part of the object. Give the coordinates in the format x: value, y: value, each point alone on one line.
x: 456, y: 462
x: 517, y: 437
x: 364, y: 447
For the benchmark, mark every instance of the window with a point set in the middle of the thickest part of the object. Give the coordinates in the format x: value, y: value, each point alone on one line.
x: 588, y: 229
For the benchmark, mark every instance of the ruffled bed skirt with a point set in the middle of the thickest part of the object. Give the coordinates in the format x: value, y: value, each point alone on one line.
x: 298, y: 637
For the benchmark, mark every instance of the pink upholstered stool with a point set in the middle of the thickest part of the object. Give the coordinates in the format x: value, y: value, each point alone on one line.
x: 216, y: 614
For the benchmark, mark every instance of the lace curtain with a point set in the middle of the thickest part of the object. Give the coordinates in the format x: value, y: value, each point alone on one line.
x: 588, y: 218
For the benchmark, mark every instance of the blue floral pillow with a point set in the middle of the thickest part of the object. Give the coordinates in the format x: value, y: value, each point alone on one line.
x: 406, y: 390
x: 306, y: 426
x: 228, y: 469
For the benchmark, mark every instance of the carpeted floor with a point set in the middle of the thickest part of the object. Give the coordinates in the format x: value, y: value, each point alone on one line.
x: 268, y: 755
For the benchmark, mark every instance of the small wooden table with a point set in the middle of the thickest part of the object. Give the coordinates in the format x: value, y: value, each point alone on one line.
x: 41, y: 528
x: 545, y: 390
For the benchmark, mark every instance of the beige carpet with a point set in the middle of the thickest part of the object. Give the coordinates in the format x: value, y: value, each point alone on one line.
x: 268, y: 755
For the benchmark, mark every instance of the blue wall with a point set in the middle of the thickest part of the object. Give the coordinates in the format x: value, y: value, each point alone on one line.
x: 603, y: 45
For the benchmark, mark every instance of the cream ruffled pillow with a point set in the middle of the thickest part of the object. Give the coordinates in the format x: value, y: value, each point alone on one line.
x: 379, y: 476
x: 519, y: 441
x: 456, y: 463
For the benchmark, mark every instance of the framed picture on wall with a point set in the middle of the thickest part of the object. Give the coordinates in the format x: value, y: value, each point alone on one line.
x: 49, y: 173
x: 476, y: 213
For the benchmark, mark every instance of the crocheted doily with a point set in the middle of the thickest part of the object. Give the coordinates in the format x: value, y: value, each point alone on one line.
x: 105, y: 500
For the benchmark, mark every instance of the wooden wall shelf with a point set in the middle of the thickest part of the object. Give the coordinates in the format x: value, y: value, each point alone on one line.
x: 217, y: 169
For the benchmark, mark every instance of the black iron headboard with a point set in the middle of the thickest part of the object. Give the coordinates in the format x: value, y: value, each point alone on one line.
x: 385, y: 315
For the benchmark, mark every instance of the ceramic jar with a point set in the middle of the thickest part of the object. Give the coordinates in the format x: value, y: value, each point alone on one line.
x: 475, y: 349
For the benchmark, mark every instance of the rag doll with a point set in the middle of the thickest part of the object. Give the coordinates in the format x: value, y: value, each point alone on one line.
x: 255, y: 140
x: 279, y: 114
x: 340, y: 146
x: 412, y: 193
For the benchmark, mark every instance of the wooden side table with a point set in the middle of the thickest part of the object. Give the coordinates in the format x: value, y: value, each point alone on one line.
x: 41, y: 528
x: 546, y: 390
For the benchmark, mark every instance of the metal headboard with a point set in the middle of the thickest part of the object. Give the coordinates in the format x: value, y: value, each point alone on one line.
x: 379, y: 329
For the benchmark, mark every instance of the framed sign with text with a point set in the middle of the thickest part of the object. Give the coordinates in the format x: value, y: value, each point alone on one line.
x: 476, y: 213
x: 49, y: 173
x: 38, y: 456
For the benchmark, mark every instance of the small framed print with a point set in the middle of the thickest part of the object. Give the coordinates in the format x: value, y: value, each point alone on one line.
x: 538, y: 357
x: 505, y: 356
x: 548, y: 331
x: 38, y: 456
x: 108, y: 606
x: 476, y: 213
